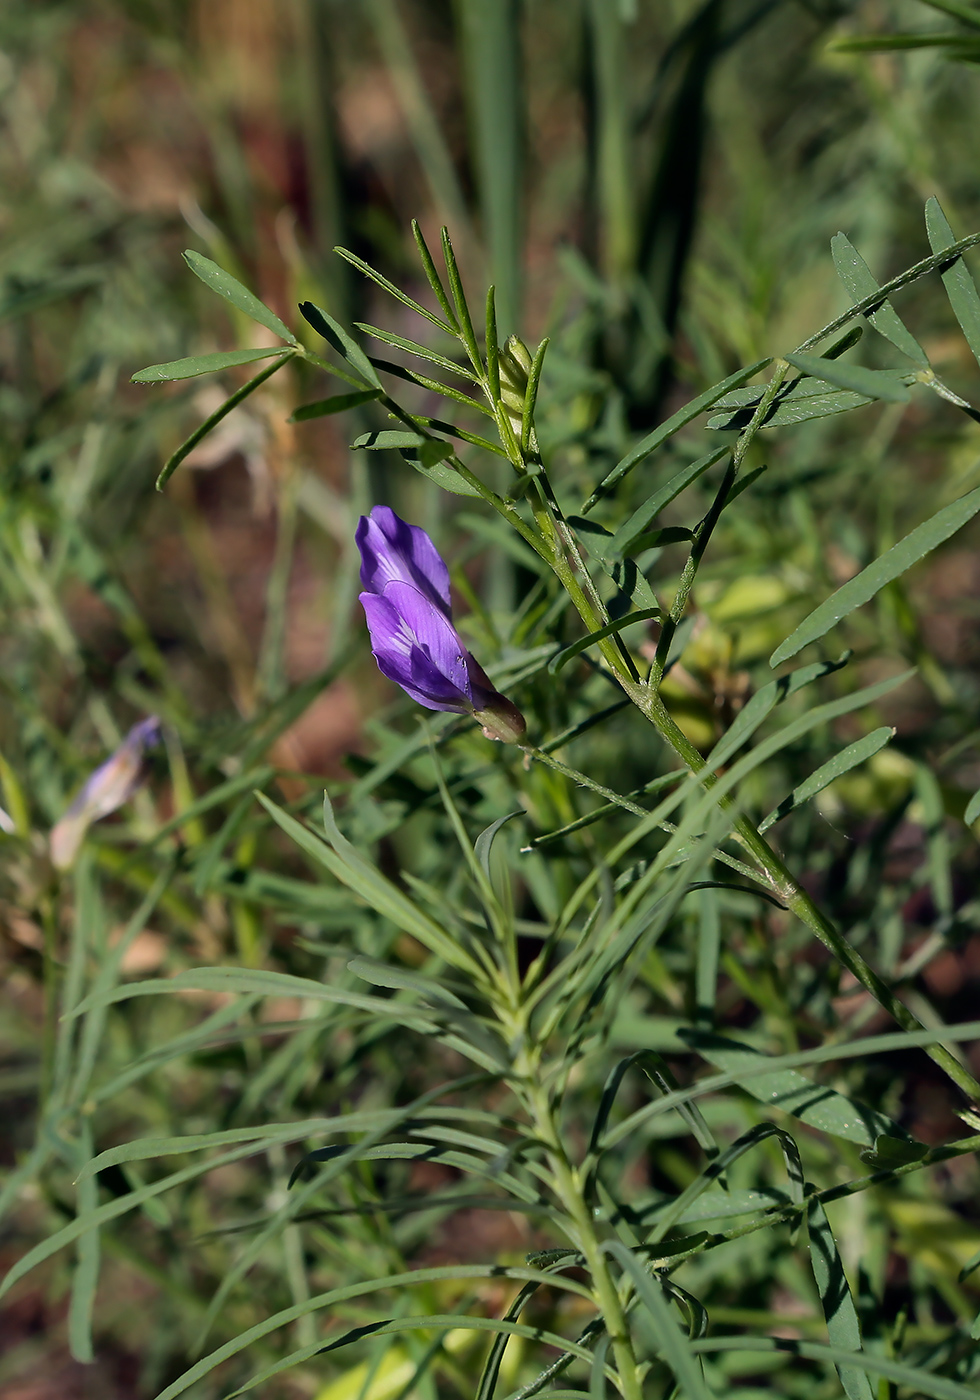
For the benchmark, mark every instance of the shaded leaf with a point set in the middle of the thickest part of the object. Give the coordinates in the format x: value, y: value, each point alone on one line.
x: 338, y: 403
x: 871, y: 383
x: 786, y: 1089
x: 335, y: 335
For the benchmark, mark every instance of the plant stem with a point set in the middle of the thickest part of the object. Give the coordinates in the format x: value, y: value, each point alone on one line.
x: 568, y: 1187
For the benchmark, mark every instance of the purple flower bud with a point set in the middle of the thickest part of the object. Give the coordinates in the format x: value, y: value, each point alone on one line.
x: 112, y: 784
x: 409, y: 616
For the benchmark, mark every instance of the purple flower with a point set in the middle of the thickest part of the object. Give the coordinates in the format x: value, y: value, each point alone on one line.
x: 112, y: 784
x: 410, y: 619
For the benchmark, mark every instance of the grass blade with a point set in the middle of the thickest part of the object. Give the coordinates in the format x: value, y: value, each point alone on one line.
x: 490, y: 41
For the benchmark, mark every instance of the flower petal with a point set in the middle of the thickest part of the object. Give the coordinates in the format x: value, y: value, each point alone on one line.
x: 112, y: 784
x: 394, y: 551
x: 403, y: 660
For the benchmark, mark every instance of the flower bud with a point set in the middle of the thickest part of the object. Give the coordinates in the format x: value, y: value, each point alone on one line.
x: 501, y: 719
x: 112, y: 784
x: 515, y: 366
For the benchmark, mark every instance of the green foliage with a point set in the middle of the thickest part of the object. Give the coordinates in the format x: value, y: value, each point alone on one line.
x: 582, y: 1031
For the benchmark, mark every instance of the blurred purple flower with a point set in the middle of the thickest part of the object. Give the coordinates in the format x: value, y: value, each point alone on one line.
x: 112, y: 784
x: 409, y: 616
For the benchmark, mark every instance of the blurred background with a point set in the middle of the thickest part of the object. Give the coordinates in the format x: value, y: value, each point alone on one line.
x: 654, y: 183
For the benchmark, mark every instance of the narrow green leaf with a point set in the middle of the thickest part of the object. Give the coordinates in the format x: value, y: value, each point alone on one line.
x: 394, y: 291
x: 392, y: 438
x: 972, y: 812
x: 957, y: 279
x: 335, y: 335
x: 455, y: 1273
x: 483, y: 844
x: 656, y: 1069
x: 435, y: 281
x: 936, y: 261
x: 623, y: 541
x: 346, y: 863
x: 843, y: 762
x: 764, y: 1065
x: 674, y: 1346
x: 680, y: 1207
x: 791, y: 1092
x: 86, y: 1276
x: 763, y: 702
x: 239, y: 396
x: 912, y: 1378
x: 969, y: 14
x: 872, y: 383
x: 431, y: 462
x: 232, y: 290
x: 205, y: 364
x: 843, y: 1327
x: 888, y: 566
x: 384, y: 975
x: 804, y: 399
x: 666, y: 430
x: 492, y: 348
x: 531, y: 395
x: 610, y: 629
x: 859, y: 282
x: 263, y: 982
x: 440, y: 426
x: 466, y: 333
x: 111, y: 1210
x: 436, y: 386
x: 151, y: 1148
x: 491, y: 1369
x: 412, y: 347
x: 338, y: 403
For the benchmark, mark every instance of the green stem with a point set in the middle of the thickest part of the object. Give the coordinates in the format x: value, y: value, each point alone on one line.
x: 568, y: 1187
x: 49, y: 925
